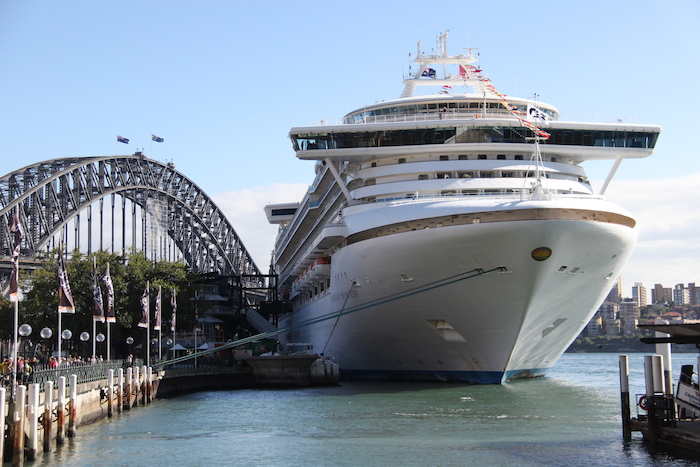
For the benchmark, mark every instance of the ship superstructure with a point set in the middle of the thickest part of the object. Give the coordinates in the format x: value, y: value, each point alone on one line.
x: 451, y: 235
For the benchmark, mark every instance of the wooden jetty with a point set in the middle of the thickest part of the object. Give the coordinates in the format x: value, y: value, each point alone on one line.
x: 667, y: 419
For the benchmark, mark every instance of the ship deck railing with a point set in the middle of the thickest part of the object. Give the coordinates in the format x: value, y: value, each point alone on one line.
x: 505, y: 196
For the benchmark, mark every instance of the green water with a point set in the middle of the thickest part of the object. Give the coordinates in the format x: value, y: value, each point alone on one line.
x: 569, y: 418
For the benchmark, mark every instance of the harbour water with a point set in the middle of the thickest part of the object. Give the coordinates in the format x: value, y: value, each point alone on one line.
x: 571, y: 417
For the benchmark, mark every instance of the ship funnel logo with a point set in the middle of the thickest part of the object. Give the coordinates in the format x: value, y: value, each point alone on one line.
x: 541, y: 253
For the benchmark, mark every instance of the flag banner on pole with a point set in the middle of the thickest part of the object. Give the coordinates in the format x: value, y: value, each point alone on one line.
x: 16, y: 229
x: 65, y: 298
x: 156, y: 325
x: 121, y: 139
x: 173, y: 304
x: 107, y: 279
x: 145, y: 309
x: 196, y: 311
x: 99, y: 312
x: 156, y: 139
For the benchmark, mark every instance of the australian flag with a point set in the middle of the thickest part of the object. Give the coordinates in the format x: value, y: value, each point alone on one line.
x: 157, y: 139
x: 121, y: 139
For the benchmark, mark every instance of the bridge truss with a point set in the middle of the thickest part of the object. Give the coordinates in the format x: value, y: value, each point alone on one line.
x: 176, y: 216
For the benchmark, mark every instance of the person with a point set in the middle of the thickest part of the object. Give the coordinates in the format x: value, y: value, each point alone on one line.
x: 26, y: 372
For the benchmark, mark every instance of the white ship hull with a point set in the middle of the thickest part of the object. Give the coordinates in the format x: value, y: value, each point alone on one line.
x: 485, y: 329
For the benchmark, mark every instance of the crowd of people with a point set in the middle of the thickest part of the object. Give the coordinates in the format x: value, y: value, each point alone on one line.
x: 27, y: 366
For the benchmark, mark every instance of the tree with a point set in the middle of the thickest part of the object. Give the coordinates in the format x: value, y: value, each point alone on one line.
x: 130, y: 273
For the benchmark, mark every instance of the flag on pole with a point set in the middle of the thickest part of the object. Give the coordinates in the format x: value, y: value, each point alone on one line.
x: 157, y: 139
x: 65, y: 298
x: 107, y: 279
x: 16, y: 229
x: 196, y: 311
x: 99, y: 312
x: 145, y: 308
x: 156, y: 325
x: 173, y: 303
x: 121, y: 139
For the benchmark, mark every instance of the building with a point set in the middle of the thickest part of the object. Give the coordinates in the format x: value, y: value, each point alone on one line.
x: 681, y: 295
x: 661, y: 294
x: 615, y: 294
x: 609, y: 310
x: 613, y: 327
x: 594, y: 326
x: 639, y: 294
x: 693, y: 292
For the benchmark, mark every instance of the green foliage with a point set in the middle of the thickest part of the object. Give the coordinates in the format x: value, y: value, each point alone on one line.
x: 130, y: 273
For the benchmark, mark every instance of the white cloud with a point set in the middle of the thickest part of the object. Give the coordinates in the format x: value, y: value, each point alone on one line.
x: 668, y: 225
x: 244, y: 209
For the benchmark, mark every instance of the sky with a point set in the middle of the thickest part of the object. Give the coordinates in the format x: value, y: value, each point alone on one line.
x: 224, y: 81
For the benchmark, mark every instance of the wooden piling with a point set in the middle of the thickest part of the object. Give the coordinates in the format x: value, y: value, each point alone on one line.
x: 60, y: 415
x: 128, y: 388
x: 144, y: 385
x: 110, y: 389
x: 18, y: 423
x: 625, y: 398
x: 135, y: 386
x: 47, y: 420
x: 2, y: 421
x: 33, y: 418
x: 120, y: 390
x: 72, y: 406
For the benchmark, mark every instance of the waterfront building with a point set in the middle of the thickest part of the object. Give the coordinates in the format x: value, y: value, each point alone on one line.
x: 661, y: 294
x: 630, y: 327
x: 681, y: 295
x: 629, y: 310
x: 615, y: 294
x: 639, y: 294
x: 613, y: 327
x: 693, y: 292
x: 594, y: 326
x: 609, y: 310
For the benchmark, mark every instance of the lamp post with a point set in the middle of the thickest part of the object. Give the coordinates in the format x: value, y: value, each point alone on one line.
x: 129, y: 341
x: 24, y: 331
x: 65, y: 335
x: 46, y: 334
x: 168, y: 343
x: 100, y: 338
x: 84, y: 337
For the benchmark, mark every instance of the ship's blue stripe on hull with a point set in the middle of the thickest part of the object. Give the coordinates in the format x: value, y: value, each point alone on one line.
x: 472, y: 377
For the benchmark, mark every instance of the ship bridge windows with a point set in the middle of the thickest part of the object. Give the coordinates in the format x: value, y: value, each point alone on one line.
x: 418, y: 136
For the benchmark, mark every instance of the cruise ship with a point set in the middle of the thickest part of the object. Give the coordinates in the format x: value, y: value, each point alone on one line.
x: 451, y: 234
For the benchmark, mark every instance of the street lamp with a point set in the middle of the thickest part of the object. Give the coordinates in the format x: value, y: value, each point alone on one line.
x: 100, y: 338
x: 24, y: 331
x: 84, y: 337
x: 46, y: 334
x: 129, y: 341
x: 66, y: 335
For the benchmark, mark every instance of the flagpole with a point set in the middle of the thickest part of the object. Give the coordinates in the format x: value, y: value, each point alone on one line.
x: 58, y: 336
x: 14, y: 352
x: 94, y: 342
x: 108, y: 342
x: 148, y: 327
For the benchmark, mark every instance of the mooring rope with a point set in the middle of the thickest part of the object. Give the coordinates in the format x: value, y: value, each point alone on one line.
x: 380, y: 301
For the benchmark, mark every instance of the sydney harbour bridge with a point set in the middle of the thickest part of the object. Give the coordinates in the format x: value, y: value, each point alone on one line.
x: 118, y: 202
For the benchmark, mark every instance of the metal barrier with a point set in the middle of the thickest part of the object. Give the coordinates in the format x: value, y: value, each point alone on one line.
x: 86, y: 372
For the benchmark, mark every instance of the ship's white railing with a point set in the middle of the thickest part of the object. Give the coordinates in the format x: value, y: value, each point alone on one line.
x: 526, y: 195
x: 429, y: 116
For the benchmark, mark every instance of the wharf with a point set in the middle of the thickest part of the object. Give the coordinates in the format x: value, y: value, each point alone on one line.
x: 672, y: 418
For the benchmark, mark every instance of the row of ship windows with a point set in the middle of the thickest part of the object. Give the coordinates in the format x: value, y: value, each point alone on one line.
x: 433, y: 107
x: 485, y: 192
x: 451, y: 135
x: 486, y: 174
x: 464, y: 157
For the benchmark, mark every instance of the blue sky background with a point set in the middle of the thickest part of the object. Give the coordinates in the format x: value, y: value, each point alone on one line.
x: 223, y: 82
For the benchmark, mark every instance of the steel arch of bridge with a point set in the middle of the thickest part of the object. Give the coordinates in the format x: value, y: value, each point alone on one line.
x: 51, y: 193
